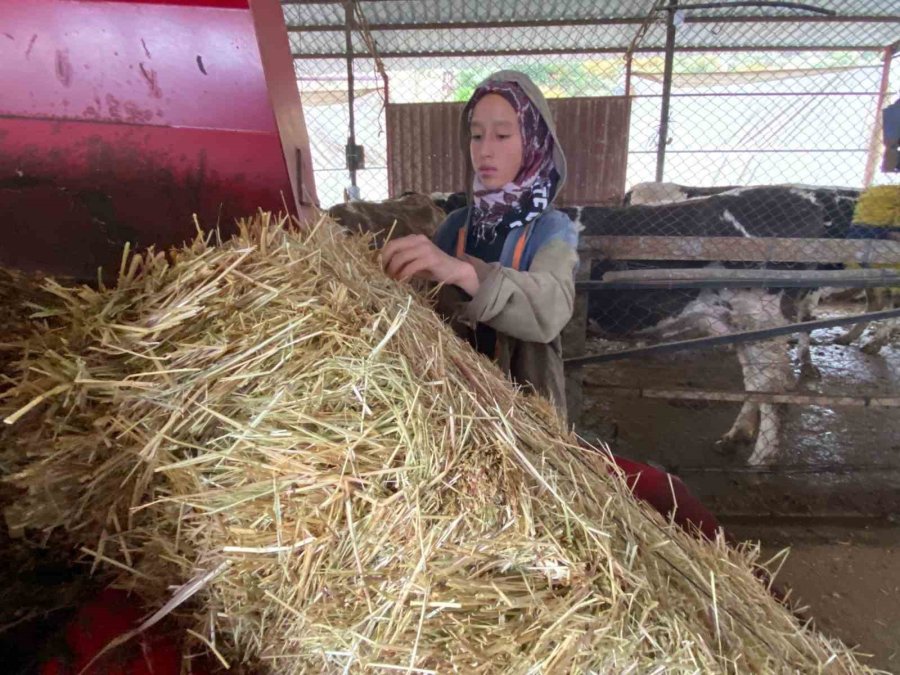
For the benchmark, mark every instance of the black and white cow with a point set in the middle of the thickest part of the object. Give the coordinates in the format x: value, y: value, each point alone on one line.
x: 769, y: 211
x: 837, y: 203
x: 667, y: 193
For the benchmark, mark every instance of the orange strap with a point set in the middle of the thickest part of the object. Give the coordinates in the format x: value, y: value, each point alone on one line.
x: 516, y: 261
x: 461, y: 242
x: 520, y: 249
x: 517, y: 252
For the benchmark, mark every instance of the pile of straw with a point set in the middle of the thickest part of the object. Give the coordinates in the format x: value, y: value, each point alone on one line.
x: 334, y: 483
x: 18, y: 295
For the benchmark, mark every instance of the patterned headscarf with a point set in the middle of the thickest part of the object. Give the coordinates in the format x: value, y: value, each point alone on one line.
x: 531, y: 191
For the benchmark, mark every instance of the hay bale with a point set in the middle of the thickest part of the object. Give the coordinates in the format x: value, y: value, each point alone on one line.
x: 333, y: 481
x: 18, y: 294
x: 878, y: 206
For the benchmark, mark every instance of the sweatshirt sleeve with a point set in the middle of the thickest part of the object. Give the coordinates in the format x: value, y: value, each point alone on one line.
x: 533, y: 306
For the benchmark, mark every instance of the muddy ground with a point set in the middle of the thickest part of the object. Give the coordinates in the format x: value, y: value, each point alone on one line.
x: 833, y: 495
x: 847, y: 578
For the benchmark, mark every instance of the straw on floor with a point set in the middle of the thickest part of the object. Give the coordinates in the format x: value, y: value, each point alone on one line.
x: 293, y: 456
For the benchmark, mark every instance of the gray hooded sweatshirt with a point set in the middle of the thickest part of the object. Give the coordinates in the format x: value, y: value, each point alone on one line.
x: 528, y: 307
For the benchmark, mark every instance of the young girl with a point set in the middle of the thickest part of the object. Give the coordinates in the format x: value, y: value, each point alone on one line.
x: 507, y: 260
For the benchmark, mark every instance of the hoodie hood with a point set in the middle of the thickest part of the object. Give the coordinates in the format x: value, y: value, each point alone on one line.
x: 537, y: 99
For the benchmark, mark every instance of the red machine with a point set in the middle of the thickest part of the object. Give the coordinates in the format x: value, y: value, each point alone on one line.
x: 121, y: 120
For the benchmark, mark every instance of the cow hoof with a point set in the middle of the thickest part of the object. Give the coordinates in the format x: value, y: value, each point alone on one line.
x: 809, y: 372
x: 763, y: 460
x: 727, y: 446
x: 872, y: 348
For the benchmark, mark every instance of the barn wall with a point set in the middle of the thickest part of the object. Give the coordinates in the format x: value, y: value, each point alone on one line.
x: 424, y: 153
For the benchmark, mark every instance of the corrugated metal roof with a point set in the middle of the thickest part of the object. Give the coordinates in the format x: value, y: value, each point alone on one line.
x: 407, y: 12
x: 616, y: 38
x: 432, y: 27
x: 410, y: 12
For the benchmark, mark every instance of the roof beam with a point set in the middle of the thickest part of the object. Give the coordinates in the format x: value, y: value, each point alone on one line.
x: 752, y: 3
x: 619, y: 21
x: 591, y: 50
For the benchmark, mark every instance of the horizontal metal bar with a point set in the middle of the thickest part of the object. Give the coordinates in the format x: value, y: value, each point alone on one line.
x: 688, y: 284
x: 805, y: 520
x: 788, y: 468
x: 740, y: 249
x: 703, y: 273
x: 441, y: 53
x: 755, y: 151
x: 758, y: 3
x: 756, y: 396
x: 715, y: 277
x: 593, y: 21
x: 731, y: 338
x: 838, y: 18
x: 767, y: 94
x: 474, y: 25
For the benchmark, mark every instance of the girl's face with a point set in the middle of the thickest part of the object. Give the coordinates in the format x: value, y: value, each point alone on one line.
x: 496, y: 143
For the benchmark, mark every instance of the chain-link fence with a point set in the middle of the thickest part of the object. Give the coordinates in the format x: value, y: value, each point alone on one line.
x: 753, y: 100
x: 745, y: 94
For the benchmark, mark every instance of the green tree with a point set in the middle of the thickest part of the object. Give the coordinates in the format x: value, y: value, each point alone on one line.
x: 556, y: 79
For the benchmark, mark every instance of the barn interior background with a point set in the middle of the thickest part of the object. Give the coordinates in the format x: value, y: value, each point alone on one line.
x: 712, y: 94
x: 760, y: 92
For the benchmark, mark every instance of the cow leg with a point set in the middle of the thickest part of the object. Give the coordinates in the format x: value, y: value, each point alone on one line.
x: 808, y: 369
x: 852, y: 335
x: 766, y: 367
x: 745, y: 425
x: 880, y: 339
x: 805, y: 309
x: 743, y: 430
x: 879, y: 301
x: 768, y: 438
x: 858, y: 329
x: 769, y: 369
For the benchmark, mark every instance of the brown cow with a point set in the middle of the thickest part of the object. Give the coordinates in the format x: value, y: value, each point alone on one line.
x: 411, y: 213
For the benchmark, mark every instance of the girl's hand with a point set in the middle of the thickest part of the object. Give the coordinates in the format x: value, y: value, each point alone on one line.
x: 416, y: 256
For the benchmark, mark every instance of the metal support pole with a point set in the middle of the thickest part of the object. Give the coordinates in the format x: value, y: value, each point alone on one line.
x: 629, y: 62
x: 667, y: 91
x: 731, y: 338
x: 348, y: 36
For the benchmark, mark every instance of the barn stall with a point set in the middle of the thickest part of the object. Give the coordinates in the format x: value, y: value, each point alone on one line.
x: 705, y: 96
x: 224, y: 550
